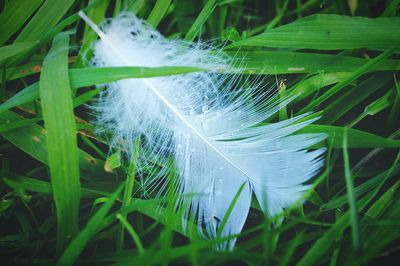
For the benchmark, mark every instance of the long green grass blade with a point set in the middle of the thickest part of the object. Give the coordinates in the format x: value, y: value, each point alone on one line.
x: 277, y: 62
x: 93, y: 76
x: 330, y: 32
x: 58, y: 116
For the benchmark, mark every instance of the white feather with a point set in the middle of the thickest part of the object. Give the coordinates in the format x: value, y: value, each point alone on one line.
x: 206, y: 123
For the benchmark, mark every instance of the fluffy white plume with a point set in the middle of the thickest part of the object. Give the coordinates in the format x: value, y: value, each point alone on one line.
x: 208, y: 122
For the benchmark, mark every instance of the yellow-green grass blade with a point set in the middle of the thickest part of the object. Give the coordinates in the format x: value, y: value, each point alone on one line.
x: 95, y: 224
x: 201, y: 19
x: 158, y: 12
x: 83, y: 77
x: 330, y: 32
x: 10, y: 22
x: 44, y: 20
x: 58, y: 116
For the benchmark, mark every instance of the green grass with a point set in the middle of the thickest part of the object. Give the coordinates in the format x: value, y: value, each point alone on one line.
x: 65, y: 201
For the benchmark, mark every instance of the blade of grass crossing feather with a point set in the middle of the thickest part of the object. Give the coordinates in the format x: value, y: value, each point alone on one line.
x: 58, y: 116
x: 128, y: 191
x: 158, y: 12
x: 10, y: 23
x: 201, y: 19
x: 356, y: 74
x: 93, y: 76
x: 42, y: 22
x: 95, y: 224
x: 354, y: 220
x: 132, y: 232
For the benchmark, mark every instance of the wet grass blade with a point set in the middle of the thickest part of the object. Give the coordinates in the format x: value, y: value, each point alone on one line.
x: 58, y: 116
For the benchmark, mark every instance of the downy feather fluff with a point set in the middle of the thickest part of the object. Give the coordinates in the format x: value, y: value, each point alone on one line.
x: 207, y: 123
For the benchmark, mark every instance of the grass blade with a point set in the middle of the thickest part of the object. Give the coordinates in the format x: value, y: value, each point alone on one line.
x: 9, y: 22
x: 62, y: 148
x: 158, y: 12
x: 330, y: 32
x: 94, y: 225
x: 200, y: 20
x: 354, y: 221
x: 42, y: 22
